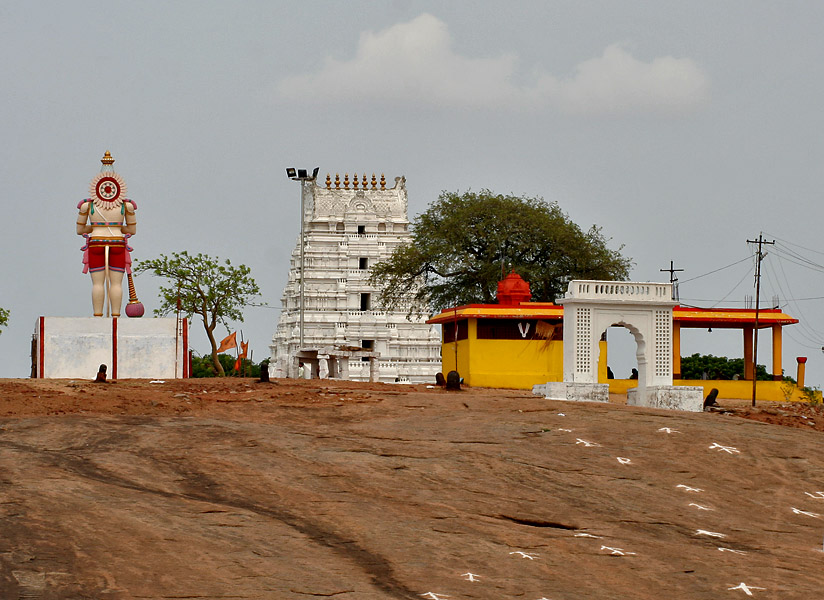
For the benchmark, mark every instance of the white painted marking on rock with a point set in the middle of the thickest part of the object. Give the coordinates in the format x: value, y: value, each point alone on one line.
x: 746, y: 588
x: 529, y: 555
x: 586, y: 443
x: 623, y: 461
x: 727, y: 449
x: 617, y: 551
x: 798, y: 511
x: 714, y: 534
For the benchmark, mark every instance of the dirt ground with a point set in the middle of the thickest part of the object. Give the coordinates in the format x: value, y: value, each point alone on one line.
x: 307, y: 489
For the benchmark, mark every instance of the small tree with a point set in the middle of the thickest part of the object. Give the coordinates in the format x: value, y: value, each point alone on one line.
x: 214, y: 291
x: 4, y: 318
x: 463, y: 244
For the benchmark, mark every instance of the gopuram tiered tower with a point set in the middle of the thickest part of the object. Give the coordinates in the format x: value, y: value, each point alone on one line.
x: 350, y: 225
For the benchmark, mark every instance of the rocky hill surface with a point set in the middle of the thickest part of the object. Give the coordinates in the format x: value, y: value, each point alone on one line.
x: 307, y: 489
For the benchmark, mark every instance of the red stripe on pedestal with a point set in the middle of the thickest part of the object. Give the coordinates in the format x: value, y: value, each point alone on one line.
x: 41, y: 350
x: 185, y: 349
x: 114, y: 348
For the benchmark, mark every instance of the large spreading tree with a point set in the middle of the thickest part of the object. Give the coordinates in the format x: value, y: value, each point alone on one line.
x: 463, y: 244
x: 4, y: 318
x: 215, y: 291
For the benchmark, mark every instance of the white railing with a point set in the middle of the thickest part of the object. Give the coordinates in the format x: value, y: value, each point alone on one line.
x: 619, y: 290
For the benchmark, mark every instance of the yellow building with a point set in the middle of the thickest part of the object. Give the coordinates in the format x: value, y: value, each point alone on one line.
x: 517, y: 344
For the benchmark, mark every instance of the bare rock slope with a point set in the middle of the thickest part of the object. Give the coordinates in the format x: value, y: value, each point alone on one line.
x: 233, y: 489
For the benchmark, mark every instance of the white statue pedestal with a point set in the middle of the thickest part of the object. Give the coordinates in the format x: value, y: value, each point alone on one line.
x: 74, y: 348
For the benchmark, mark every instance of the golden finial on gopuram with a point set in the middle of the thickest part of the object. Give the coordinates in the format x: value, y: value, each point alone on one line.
x: 328, y: 181
x: 337, y: 181
x: 346, y: 181
x: 107, y: 159
x: 364, y: 180
x: 355, y: 180
x: 383, y: 182
x: 374, y: 181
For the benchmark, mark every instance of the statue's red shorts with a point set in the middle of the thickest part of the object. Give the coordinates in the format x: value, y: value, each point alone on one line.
x: 97, y: 255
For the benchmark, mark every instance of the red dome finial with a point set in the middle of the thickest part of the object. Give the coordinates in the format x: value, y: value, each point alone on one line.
x: 513, y: 290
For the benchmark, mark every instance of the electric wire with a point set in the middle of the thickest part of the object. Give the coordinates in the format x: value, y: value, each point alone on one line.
x: 716, y: 270
x: 735, y: 287
x: 793, y: 244
x: 806, y: 330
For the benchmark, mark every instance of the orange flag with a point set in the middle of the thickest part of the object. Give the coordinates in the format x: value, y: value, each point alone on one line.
x: 228, y: 342
x: 242, y: 355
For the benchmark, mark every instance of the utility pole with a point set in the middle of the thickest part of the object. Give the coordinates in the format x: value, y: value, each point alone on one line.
x: 758, y: 258
x: 673, y: 279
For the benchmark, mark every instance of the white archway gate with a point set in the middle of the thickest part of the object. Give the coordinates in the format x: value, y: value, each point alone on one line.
x: 645, y: 308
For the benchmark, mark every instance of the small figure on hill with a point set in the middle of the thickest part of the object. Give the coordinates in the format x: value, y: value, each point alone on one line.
x: 634, y: 374
x: 440, y: 380
x: 711, y: 398
x: 453, y: 381
x: 101, y: 374
x: 264, y: 371
x: 610, y: 374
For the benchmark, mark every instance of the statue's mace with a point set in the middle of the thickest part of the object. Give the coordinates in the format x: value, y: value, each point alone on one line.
x: 135, y: 307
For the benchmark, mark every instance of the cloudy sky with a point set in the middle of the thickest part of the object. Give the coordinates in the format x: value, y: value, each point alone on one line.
x: 682, y: 128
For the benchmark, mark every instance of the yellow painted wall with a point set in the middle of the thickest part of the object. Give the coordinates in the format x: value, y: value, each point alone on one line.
x: 511, y: 364
x: 765, y: 390
x: 515, y: 364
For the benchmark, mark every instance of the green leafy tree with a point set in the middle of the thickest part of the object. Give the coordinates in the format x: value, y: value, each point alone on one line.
x: 215, y: 291
x: 717, y: 367
x: 463, y: 244
x: 4, y: 318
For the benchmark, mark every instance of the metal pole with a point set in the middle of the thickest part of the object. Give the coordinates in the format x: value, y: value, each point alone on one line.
x: 759, y: 256
x: 302, y: 258
x: 755, y: 331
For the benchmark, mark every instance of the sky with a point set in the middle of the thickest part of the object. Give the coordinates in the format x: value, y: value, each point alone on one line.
x: 683, y: 129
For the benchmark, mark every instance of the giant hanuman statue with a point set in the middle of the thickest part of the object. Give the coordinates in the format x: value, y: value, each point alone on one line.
x: 106, y: 219
x: 350, y: 226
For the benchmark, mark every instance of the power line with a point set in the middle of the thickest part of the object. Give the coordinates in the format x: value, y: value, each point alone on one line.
x: 798, y: 245
x: 717, y: 270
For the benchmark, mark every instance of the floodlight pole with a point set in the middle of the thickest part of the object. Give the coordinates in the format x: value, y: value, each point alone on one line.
x: 303, y: 178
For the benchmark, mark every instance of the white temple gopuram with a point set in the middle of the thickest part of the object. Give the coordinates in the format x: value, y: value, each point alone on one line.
x: 350, y: 226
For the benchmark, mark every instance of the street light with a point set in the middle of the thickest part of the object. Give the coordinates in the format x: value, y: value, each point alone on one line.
x: 302, y: 176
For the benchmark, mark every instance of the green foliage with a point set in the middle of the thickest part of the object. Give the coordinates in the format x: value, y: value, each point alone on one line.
x: 788, y: 387
x: 215, y: 291
x: 203, y: 366
x: 717, y: 367
x: 4, y: 318
x: 463, y: 244
x: 811, y: 394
